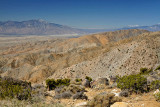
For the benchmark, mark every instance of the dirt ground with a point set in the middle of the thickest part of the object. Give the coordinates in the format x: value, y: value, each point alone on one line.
x: 134, y: 100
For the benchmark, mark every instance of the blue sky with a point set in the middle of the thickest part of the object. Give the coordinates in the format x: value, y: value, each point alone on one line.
x: 83, y: 13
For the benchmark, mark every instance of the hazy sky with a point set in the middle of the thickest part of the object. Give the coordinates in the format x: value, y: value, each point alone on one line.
x: 83, y: 13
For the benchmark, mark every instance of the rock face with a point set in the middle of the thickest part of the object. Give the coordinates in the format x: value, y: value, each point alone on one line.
x: 121, y: 60
x: 102, y: 55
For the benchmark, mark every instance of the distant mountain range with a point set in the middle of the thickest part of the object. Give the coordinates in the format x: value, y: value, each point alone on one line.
x: 35, y: 27
x: 155, y: 27
x: 41, y: 27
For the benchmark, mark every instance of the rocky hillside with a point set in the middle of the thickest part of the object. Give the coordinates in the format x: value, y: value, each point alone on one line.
x: 123, y: 58
x: 98, y: 55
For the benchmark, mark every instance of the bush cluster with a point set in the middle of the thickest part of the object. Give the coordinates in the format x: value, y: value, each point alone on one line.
x: 134, y: 83
x: 78, y: 80
x: 103, y: 100
x: 88, y: 78
x: 52, y: 84
x: 10, y: 88
x: 145, y: 71
x: 69, y: 91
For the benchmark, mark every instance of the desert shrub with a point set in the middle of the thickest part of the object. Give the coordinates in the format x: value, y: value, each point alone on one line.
x: 3, y: 62
x: 25, y: 103
x: 135, y: 83
x: 103, y: 100
x: 74, y: 88
x: 52, y: 84
x: 88, y: 78
x: 72, y: 70
x: 158, y: 68
x: 80, y: 95
x: 145, y: 71
x: 68, y: 91
x: 31, y: 58
x: 155, y: 84
x: 66, y: 94
x: 78, y: 80
x: 10, y: 88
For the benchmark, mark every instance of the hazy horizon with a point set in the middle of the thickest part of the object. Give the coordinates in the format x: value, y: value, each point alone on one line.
x: 88, y: 14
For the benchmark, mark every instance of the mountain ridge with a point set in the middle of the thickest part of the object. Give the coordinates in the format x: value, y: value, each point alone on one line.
x: 42, y: 27
x: 35, y: 27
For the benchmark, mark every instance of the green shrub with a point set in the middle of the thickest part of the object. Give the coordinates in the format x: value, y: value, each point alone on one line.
x: 52, y: 84
x: 78, y: 80
x: 158, y: 68
x: 88, y: 78
x: 135, y: 83
x: 155, y: 84
x: 17, y: 103
x: 145, y: 71
x: 10, y: 88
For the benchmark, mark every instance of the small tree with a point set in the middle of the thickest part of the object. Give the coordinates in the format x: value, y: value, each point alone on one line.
x: 52, y: 84
x: 134, y: 83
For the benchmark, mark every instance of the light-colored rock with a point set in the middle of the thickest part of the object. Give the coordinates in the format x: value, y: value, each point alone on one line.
x: 86, y: 83
x: 157, y: 91
x: 120, y: 104
x: 82, y: 104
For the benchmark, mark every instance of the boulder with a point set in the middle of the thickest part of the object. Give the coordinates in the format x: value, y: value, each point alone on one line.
x: 115, y: 92
x: 124, y: 93
x: 82, y: 104
x: 80, y: 95
x: 120, y: 104
x: 86, y: 83
x: 157, y: 91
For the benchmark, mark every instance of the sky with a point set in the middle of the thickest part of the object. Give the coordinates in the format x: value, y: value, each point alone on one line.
x: 83, y: 13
